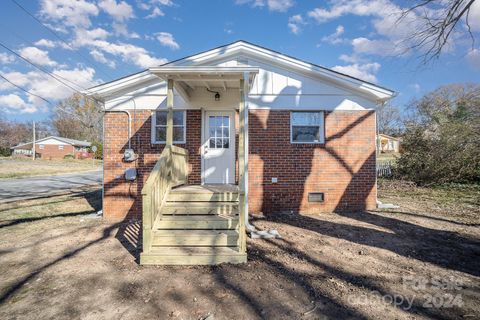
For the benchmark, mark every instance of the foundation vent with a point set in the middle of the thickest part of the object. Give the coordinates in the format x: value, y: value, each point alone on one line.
x: 316, y: 197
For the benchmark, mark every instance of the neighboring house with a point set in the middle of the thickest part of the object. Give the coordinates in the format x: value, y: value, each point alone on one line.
x: 54, y: 148
x: 388, y: 144
x: 234, y: 130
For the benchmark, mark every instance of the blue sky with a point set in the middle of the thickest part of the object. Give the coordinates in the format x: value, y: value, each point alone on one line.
x: 107, y: 39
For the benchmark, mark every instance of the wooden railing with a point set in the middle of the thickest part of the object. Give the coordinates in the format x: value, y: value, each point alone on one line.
x: 170, y: 170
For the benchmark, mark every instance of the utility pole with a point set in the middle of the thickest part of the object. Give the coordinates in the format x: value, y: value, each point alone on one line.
x: 33, y: 145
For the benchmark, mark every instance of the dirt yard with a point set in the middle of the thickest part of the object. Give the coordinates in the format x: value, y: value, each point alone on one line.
x: 421, y: 261
x: 26, y: 167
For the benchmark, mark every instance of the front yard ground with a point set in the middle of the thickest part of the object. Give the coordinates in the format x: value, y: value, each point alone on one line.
x: 26, y: 167
x: 421, y: 261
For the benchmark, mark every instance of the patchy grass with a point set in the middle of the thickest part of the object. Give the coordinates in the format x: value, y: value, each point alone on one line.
x: 459, y: 202
x: 22, y: 167
x: 58, y: 262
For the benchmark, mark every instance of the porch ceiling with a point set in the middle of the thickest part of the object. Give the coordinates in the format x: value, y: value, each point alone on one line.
x: 189, y: 78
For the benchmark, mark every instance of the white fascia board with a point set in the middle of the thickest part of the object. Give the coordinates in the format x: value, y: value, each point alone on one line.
x: 202, y: 70
x: 106, y: 89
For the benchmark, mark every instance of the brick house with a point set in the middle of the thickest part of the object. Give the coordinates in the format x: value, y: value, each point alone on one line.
x: 195, y: 145
x: 53, y: 147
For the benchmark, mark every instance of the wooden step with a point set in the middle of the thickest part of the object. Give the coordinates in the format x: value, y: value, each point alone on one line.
x: 202, y: 208
x: 202, y: 197
x: 194, y: 193
x: 197, y: 222
x: 195, y: 238
x: 192, y: 256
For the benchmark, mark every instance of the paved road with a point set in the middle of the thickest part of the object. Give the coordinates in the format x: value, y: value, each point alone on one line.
x: 34, y: 187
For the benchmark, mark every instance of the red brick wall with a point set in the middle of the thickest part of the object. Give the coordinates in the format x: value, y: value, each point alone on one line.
x: 343, y: 168
x: 51, y: 151
x: 121, y: 198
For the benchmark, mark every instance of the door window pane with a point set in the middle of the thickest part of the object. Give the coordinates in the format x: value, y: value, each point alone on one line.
x: 219, y: 131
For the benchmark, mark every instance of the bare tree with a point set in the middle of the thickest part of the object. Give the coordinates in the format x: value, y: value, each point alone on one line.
x: 388, y: 119
x: 78, y: 118
x: 440, y: 20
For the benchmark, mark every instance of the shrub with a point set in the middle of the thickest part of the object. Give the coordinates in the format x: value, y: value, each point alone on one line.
x: 68, y: 156
x: 443, y: 144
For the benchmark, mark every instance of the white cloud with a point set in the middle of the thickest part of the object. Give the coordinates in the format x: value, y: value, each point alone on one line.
x: 295, y: 22
x: 6, y: 58
x: 121, y: 29
x: 12, y: 103
x: 85, y: 37
x: 156, y: 12
x: 128, y: 53
x: 45, y: 86
x: 72, y: 13
x: 156, y: 5
x: 379, y: 47
x: 273, y: 5
x: 37, y: 56
x: 100, y: 57
x: 166, y: 39
x: 45, y: 43
x: 474, y: 17
x: 362, y: 71
x: 120, y: 11
x: 335, y: 38
x: 473, y: 57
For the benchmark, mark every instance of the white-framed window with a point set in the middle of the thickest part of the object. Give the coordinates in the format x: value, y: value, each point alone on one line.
x: 159, y: 126
x: 60, y: 147
x: 41, y: 146
x: 307, y: 127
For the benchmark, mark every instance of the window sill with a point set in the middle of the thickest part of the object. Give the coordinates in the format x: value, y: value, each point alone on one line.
x: 174, y: 142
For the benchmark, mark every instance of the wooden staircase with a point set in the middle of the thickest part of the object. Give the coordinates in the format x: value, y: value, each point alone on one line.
x: 197, y: 225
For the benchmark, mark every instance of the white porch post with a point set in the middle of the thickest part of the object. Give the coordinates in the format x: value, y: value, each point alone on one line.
x: 169, y: 138
x: 246, y: 86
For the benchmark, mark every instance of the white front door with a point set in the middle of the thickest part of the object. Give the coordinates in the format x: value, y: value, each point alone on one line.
x: 218, y: 149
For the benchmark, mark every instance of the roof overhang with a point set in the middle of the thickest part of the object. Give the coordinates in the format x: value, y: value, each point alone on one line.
x: 189, y: 78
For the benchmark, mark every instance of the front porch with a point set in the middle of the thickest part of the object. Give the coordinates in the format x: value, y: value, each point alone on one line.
x: 200, y: 224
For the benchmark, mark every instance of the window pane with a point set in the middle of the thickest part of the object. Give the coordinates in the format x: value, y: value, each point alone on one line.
x: 161, y: 134
x: 306, y: 118
x: 212, y: 143
x: 219, y: 132
x: 178, y: 134
x: 211, y: 121
x: 211, y: 132
x: 226, y: 143
x: 225, y: 121
x: 178, y: 118
x: 219, y: 143
x: 161, y: 118
x: 218, y: 121
x: 305, y: 134
x: 225, y: 132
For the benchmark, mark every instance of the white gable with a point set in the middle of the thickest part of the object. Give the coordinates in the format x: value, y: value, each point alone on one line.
x: 51, y: 141
x: 282, y: 83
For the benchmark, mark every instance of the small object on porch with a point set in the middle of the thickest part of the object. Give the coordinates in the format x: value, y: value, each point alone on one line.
x: 265, y: 234
x: 381, y: 205
x: 131, y: 174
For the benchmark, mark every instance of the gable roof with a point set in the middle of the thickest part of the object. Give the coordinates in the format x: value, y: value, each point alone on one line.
x: 73, y: 142
x: 244, y: 48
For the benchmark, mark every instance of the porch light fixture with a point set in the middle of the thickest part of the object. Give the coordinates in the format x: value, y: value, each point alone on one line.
x: 217, y: 94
